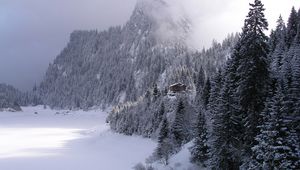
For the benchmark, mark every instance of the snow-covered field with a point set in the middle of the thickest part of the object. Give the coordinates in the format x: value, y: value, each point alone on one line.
x: 44, y: 139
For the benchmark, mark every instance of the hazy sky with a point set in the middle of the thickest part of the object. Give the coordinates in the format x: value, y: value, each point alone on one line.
x: 33, y: 32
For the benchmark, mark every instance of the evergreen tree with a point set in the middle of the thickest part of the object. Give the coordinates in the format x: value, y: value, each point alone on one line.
x: 164, y: 130
x: 200, y: 79
x: 227, y: 128
x: 295, y: 84
x: 159, y: 116
x: 164, y: 148
x: 273, y: 149
x: 213, y: 101
x: 155, y: 91
x: 292, y: 27
x: 252, y: 51
x: 199, y: 150
x: 147, y: 97
x: 178, y: 131
x: 200, y: 82
x: 278, y: 35
x: 288, y: 105
x: 206, y: 93
x: 290, y: 80
x: 278, y: 47
x: 294, y: 116
x: 243, y: 93
x: 272, y: 41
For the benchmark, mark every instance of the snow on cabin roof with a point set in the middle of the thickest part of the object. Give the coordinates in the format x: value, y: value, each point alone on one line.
x: 176, y: 84
x: 177, y: 87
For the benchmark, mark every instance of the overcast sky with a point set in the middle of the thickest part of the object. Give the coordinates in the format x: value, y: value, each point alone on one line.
x: 33, y: 32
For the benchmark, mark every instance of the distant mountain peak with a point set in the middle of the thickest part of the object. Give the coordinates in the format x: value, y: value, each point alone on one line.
x: 147, y: 4
x: 158, y: 17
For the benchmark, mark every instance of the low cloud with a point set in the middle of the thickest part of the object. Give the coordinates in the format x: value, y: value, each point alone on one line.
x: 215, y: 19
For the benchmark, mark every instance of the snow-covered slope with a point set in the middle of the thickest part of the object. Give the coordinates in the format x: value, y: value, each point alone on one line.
x: 179, y: 161
x: 39, y: 138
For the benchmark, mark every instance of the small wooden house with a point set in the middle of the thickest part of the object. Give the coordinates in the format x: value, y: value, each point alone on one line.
x: 177, y: 87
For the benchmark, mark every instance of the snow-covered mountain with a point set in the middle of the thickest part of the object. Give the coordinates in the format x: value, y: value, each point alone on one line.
x: 121, y: 63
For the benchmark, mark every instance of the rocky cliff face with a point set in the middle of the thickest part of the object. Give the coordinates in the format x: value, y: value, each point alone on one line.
x: 120, y: 64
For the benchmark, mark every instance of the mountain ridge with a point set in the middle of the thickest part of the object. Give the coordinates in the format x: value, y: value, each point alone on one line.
x: 118, y: 65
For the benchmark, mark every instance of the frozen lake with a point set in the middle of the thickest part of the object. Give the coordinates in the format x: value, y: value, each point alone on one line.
x: 45, y: 139
x: 34, y: 142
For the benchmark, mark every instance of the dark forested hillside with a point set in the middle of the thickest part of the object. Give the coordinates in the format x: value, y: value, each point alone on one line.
x: 10, y: 98
x: 120, y: 64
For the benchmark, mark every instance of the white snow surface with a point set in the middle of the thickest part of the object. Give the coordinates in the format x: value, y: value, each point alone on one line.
x: 179, y: 161
x: 45, y: 139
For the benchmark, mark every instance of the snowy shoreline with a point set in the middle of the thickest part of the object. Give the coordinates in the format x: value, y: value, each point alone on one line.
x: 39, y: 138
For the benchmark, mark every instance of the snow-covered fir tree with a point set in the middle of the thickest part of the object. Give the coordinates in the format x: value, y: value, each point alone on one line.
x: 158, y: 117
x: 206, y: 93
x: 199, y: 83
x: 200, y: 150
x: 227, y: 129
x: 164, y: 148
x: 178, y: 130
x: 273, y: 150
x: 292, y: 25
x: 278, y: 47
x: 214, y: 98
x: 253, y: 73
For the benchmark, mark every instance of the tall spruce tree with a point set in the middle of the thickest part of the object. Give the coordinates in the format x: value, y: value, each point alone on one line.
x: 277, y: 35
x: 164, y: 148
x: 227, y: 128
x: 178, y: 131
x: 290, y: 79
x: 206, y: 93
x: 200, y: 83
x: 200, y: 150
x: 292, y: 27
x: 155, y: 92
x: 253, y: 71
x: 288, y: 102
x: 200, y: 80
x: 278, y: 47
x: 243, y: 93
x: 158, y: 117
x: 214, y: 96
